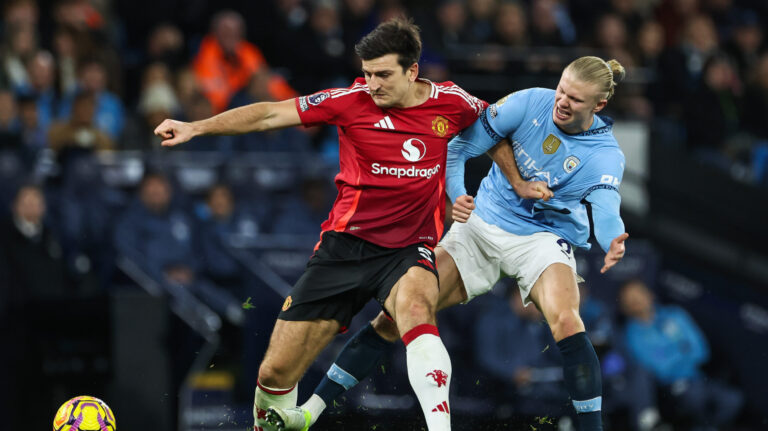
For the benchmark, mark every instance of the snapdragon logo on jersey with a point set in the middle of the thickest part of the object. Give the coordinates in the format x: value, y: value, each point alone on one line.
x: 413, y: 150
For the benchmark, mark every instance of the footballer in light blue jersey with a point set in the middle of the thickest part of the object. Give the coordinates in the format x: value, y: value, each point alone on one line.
x: 578, y: 168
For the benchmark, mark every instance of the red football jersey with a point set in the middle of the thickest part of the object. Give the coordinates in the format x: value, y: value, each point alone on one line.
x: 392, y: 161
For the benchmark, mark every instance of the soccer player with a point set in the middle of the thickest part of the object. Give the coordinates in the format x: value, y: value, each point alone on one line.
x: 530, y: 211
x: 379, y: 238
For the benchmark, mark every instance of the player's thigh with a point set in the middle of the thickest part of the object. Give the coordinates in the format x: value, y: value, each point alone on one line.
x: 413, y: 299
x: 556, y: 294
x: 528, y: 258
x: 293, y: 346
x: 452, y: 289
x: 467, y: 261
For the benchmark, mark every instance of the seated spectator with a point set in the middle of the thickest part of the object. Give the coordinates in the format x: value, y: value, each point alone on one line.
x: 716, y: 104
x: 10, y: 136
x: 304, y: 215
x: 165, y: 44
x: 80, y: 132
x: 42, y: 87
x: 627, y: 386
x: 108, y: 114
x: 447, y: 29
x: 321, y: 45
x: 69, y: 45
x: 19, y: 44
x: 550, y: 24
x: 746, y: 42
x: 222, y: 220
x: 514, y: 344
x: 511, y: 25
x: 666, y: 341
x: 649, y: 50
x: 681, y: 67
x: 156, y: 235
x: 30, y: 253
x: 479, y: 26
x: 34, y: 137
x: 226, y: 61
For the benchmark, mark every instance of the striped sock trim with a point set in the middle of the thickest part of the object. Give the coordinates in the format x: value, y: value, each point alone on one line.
x: 418, y: 331
x: 274, y: 391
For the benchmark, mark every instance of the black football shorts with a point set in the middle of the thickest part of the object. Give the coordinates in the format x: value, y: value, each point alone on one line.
x: 345, y: 273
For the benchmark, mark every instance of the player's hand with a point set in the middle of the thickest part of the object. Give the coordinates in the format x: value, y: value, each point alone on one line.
x: 174, y: 132
x: 462, y: 208
x: 533, y: 190
x: 615, y: 252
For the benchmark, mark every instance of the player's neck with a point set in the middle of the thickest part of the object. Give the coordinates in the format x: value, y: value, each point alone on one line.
x: 418, y: 94
x: 579, y: 128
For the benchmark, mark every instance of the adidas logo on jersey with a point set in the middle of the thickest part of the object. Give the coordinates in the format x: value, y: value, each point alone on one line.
x: 385, y: 123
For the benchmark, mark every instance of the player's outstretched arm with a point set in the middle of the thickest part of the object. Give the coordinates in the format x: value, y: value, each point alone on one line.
x: 504, y: 157
x: 256, y: 117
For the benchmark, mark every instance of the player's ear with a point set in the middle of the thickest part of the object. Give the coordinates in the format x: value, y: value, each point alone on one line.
x: 600, y: 105
x: 413, y: 72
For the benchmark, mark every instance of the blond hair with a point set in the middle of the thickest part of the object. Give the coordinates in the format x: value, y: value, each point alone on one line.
x: 604, y: 74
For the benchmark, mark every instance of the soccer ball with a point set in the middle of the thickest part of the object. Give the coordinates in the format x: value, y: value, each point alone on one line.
x: 84, y: 413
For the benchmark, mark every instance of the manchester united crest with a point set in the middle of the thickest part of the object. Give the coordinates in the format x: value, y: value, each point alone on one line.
x: 287, y: 303
x: 550, y: 145
x: 440, y: 126
x: 440, y: 377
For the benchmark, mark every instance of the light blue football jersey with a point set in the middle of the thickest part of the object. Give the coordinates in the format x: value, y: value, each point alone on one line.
x: 574, y: 166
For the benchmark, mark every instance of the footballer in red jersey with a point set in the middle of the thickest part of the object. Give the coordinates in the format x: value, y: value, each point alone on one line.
x: 378, y: 241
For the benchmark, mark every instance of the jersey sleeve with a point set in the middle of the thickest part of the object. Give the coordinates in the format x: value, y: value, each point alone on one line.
x: 323, y: 107
x: 471, y: 142
x: 605, y: 216
x: 600, y: 179
x: 507, y: 114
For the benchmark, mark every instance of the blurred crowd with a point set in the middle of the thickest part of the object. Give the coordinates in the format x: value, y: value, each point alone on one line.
x: 652, y: 356
x: 100, y: 74
x: 83, y: 79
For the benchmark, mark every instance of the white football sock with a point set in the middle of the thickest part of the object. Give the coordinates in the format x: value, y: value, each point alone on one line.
x: 429, y: 371
x: 315, y: 405
x: 267, y: 397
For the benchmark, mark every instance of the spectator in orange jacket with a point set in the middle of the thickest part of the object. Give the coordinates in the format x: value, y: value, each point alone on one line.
x: 226, y: 62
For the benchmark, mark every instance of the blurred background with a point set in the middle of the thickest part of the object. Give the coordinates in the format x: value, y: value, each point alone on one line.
x: 151, y: 277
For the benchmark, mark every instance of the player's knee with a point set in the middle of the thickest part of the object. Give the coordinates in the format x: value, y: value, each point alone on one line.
x: 385, y: 327
x: 565, y: 324
x: 274, y: 375
x: 415, y: 308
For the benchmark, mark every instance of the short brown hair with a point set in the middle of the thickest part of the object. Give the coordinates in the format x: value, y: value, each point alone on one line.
x: 397, y: 36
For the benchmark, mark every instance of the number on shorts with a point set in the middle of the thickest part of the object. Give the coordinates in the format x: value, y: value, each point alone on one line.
x: 565, y: 246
